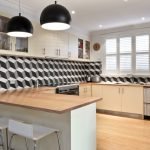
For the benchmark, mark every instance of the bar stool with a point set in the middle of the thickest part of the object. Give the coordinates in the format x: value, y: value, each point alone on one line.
x: 3, y: 127
x: 30, y: 131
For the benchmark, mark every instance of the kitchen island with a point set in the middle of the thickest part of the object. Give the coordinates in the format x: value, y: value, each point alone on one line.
x: 74, y: 116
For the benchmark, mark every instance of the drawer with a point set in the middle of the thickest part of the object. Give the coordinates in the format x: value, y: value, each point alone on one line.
x: 147, y: 95
x: 147, y: 109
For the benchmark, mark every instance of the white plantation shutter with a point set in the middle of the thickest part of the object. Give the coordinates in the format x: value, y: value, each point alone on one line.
x: 111, y: 46
x: 125, y: 63
x: 142, y: 53
x: 124, y: 55
x: 125, y: 48
x: 111, y: 55
x: 142, y: 62
x: 142, y: 43
x: 111, y: 63
x: 125, y: 45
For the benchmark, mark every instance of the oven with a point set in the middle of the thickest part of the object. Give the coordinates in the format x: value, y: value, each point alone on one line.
x: 72, y: 89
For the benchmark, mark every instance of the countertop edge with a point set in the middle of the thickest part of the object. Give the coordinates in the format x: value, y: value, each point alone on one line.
x: 50, y: 110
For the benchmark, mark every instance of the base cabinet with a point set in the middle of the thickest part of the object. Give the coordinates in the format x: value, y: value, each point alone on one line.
x: 85, y: 90
x: 132, y: 100
x: 128, y: 99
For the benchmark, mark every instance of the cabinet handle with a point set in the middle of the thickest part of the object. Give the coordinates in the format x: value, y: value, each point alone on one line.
x: 57, y: 52
x: 122, y: 90
x: 11, y: 46
x: 119, y: 90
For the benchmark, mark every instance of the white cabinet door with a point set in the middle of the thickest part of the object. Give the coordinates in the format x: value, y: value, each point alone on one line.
x: 73, y: 47
x: 85, y: 90
x: 132, y: 99
x: 97, y: 91
x: 62, y: 44
x: 112, y: 98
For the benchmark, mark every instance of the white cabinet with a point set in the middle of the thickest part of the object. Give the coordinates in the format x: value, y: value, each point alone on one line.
x: 61, y: 44
x: 50, y: 43
x: 132, y: 99
x: 85, y: 90
x: 111, y: 97
x: 73, y: 47
x: 127, y: 99
x: 57, y: 46
x: 97, y: 91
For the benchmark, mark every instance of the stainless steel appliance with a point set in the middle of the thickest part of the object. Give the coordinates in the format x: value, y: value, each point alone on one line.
x: 147, y: 103
x: 72, y: 89
x: 88, y: 78
x: 95, y: 78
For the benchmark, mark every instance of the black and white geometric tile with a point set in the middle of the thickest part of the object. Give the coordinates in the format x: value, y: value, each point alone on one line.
x: 22, y: 72
x: 129, y: 79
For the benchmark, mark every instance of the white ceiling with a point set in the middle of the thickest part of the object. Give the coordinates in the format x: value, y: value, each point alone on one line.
x: 90, y: 13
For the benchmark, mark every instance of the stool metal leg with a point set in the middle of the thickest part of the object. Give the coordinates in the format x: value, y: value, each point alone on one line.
x: 58, y: 140
x: 7, y: 138
x: 35, y: 145
x: 10, y: 142
x: 26, y: 144
x: 2, y: 141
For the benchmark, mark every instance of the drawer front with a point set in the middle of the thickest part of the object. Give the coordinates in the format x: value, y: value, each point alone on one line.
x: 147, y: 109
x: 147, y: 95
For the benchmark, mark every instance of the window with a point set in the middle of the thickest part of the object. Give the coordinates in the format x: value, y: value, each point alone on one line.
x: 142, y: 53
x: 125, y: 47
x: 111, y: 55
x: 123, y: 55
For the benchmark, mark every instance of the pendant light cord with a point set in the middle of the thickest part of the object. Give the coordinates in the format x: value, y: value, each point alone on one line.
x: 19, y: 8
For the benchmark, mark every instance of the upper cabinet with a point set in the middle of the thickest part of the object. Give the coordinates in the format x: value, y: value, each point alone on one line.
x: 57, y: 45
x: 50, y: 44
x: 73, y: 47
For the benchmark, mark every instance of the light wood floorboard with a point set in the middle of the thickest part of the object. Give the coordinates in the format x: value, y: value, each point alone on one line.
x: 119, y: 133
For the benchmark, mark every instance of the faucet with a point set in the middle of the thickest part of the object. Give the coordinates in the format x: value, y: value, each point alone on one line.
x: 131, y: 76
x: 36, y: 84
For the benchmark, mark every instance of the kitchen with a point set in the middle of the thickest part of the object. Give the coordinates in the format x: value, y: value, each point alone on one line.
x: 105, y: 61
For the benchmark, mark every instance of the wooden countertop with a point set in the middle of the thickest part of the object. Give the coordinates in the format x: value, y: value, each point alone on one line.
x: 122, y: 84
x: 36, y: 99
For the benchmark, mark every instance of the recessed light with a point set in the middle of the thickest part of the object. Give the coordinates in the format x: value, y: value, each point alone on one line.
x: 100, y: 26
x: 143, y: 18
x: 73, y: 12
x: 125, y: 0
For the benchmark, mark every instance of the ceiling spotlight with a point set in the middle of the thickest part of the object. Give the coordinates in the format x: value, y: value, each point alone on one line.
x: 100, y: 26
x: 19, y: 26
x: 55, y: 17
x: 73, y: 12
x: 143, y: 18
x: 125, y: 0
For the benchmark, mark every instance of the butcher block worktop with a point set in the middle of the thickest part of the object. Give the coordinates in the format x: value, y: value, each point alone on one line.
x: 38, y: 99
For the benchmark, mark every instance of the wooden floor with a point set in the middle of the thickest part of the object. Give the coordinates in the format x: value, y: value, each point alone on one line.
x: 118, y: 133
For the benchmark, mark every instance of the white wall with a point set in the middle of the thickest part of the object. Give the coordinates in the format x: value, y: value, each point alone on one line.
x: 100, y: 36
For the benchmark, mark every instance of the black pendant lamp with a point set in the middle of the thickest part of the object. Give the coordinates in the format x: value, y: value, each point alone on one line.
x: 55, y: 17
x: 19, y: 26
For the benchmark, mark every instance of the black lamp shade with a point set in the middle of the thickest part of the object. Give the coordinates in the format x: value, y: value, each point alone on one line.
x: 19, y: 26
x: 55, y: 17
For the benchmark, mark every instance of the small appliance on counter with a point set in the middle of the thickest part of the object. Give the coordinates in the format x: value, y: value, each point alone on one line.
x: 88, y: 78
x: 95, y: 78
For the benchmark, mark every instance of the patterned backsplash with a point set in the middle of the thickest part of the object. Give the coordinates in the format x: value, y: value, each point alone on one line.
x: 129, y: 79
x: 22, y: 72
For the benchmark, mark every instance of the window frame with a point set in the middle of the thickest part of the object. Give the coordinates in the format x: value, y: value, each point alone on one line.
x: 133, y: 56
